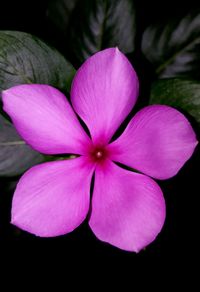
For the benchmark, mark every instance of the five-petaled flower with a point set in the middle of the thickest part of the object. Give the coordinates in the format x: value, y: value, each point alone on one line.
x: 127, y: 208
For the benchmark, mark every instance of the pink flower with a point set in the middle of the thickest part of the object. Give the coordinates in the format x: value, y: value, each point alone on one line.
x: 128, y: 208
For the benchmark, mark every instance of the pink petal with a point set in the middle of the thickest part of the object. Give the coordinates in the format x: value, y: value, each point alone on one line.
x: 44, y: 118
x: 52, y: 199
x: 128, y: 209
x: 157, y: 141
x: 104, y: 91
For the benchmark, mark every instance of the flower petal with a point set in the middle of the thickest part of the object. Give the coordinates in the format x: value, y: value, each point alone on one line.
x: 128, y: 209
x: 104, y: 91
x: 157, y: 141
x: 52, y: 199
x: 44, y: 118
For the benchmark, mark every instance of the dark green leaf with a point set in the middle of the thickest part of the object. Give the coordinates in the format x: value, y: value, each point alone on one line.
x: 26, y: 59
x: 98, y: 24
x: 59, y: 13
x: 173, y: 48
x: 15, y: 155
x: 182, y: 94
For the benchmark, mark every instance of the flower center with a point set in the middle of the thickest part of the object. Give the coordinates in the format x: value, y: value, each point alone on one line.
x: 98, y: 154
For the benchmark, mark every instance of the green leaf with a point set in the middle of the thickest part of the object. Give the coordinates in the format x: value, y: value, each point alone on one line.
x: 26, y: 59
x: 101, y: 24
x: 59, y: 13
x: 173, y: 47
x: 15, y: 155
x: 182, y: 94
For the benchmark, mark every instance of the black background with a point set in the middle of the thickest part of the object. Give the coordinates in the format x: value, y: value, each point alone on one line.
x: 178, y: 242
